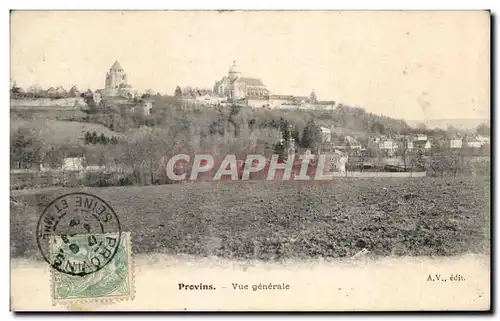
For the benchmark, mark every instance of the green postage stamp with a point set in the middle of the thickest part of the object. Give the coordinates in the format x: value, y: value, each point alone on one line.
x: 100, y: 268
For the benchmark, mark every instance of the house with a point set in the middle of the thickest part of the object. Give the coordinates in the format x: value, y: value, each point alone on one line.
x: 421, y: 137
x: 456, y: 143
x: 97, y: 97
x: 51, y: 91
x: 472, y: 142
x: 60, y: 91
x: 373, y: 144
x: 144, y: 106
x: 73, y: 160
x: 326, y: 134
x: 73, y: 163
x: 352, y: 143
x: 388, y: 146
x: 422, y: 144
x: 483, y: 139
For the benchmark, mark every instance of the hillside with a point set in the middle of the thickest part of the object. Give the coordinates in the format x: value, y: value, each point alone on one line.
x: 348, y: 120
x: 61, y: 132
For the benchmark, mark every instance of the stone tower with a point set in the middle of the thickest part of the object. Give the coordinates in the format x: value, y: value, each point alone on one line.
x: 234, y: 72
x: 116, y: 77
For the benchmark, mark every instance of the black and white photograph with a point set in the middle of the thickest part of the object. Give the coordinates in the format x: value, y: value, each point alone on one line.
x: 226, y: 160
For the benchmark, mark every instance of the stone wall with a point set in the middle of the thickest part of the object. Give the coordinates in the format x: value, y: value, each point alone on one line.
x: 45, y: 112
x: 47, y: 102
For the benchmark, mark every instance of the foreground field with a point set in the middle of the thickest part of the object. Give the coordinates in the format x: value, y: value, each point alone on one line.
x: 261, y: 220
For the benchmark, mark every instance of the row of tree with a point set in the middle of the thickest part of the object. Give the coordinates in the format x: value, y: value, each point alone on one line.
x: 189, y: 91
x: 93, y: 138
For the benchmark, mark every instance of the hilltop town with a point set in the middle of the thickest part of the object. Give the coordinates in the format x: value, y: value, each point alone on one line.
x: 239, y: 113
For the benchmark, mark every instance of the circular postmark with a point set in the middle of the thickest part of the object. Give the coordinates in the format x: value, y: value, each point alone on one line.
x: 78, y: 233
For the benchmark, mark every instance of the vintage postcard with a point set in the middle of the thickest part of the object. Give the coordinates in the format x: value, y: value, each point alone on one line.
x: 250, y: 161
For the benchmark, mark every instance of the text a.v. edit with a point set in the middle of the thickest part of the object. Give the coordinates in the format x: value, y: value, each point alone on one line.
x: 439, y: 277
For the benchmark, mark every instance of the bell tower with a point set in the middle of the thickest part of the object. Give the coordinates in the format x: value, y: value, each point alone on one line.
x: 234, y: 72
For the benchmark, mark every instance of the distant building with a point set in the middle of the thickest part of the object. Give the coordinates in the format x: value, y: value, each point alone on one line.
x: 236, y: 87
x: 326, y: 134
x: 353, y: 143
x: 421, y: 138
x: 73, y: 160
x: 116, y: 77
x: 73, y: 163
x: 422, y: 144
x: 254, y: 93
x: 116, y: 83
x: 51, y: 91
x: 60, y: 91
x: 472, y: 142
x: 74, y: 92
x: 456, y: 143
x: 337, y: 161
x: 147, y: 107
x: 483, y: 139
x: 97, y: 97
x: 388, y: 146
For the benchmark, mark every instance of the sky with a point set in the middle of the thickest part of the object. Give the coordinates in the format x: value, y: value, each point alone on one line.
x: 409, y: 65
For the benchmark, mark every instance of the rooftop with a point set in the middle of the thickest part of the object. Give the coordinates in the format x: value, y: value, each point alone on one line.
x: 251, y: 81
x: 116, y: 66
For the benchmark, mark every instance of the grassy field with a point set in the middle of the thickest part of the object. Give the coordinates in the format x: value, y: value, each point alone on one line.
x: 270, y: 221
x: 59, y: 131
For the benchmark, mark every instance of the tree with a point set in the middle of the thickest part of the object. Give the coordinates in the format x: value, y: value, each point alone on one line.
x: 26, y: 147
x: 15, y: 90
x: 311, y: 135
x: 88, y: 138
x: 178, y: 92
x: 450, y: 129
x: 443, y: 160
x: 94, y: 138
x: 103, y: 139
x: 295, y: 134
x: 148, y: 94
x: 422, y: 127
x: 312, y: 97
x: 417, y: 160
x: 483, y: 130
x: 74, y: 92
x: 34, y: 91
x: 279, y: 149
x: 88, y: 98
x: 378, y: 128
x: 285, y: 131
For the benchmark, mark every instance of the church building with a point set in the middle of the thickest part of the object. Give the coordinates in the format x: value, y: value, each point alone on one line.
x: 238, y: 88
